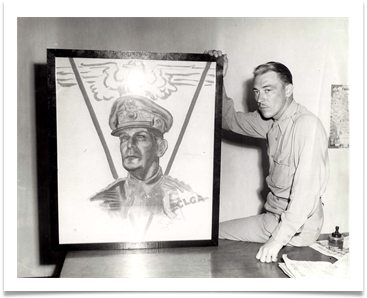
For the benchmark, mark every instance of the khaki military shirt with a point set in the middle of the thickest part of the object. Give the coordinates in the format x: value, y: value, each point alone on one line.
x: 298, y: 158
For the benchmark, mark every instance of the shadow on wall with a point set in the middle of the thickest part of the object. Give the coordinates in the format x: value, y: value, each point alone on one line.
x: 235, y: 139
x: 249, y: 102
x: 47, y: 256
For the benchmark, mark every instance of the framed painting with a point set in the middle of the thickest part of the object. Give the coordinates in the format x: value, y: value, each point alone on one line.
x: 135, y: 148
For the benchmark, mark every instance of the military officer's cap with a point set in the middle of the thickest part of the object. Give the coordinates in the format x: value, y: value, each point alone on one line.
x: 133, y: 111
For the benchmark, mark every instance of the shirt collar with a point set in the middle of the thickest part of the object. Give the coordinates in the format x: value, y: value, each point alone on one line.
x: 148, y: 184
x: 290, y: 113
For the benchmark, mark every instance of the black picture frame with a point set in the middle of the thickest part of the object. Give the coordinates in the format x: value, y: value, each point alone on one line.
x: 82, y: 87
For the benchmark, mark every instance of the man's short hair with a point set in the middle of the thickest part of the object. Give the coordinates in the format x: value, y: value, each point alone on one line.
x: 283, y: 72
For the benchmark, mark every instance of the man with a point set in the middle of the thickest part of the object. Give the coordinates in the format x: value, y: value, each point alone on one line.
x: 149, y: 200
x: 298, y: 158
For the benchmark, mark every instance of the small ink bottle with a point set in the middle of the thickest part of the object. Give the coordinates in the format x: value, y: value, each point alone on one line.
x: 336, y: 239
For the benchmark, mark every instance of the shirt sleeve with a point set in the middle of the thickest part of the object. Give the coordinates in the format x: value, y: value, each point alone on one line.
x: 248, y: 124
x: 310, y: 178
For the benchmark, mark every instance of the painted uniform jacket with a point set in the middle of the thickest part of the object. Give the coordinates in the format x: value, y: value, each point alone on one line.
x: 156, y: 203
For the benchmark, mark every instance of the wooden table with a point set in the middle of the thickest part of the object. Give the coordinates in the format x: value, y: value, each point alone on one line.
x: 229, y: 259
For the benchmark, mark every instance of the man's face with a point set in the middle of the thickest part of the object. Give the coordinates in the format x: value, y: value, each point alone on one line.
x: 270, y: 94
x: 139, y: 149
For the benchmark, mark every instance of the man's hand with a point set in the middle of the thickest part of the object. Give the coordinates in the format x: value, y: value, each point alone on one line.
x: 217, y: 54
x: 269, y: 251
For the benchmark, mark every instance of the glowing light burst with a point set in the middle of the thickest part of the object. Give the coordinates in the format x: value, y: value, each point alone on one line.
x: 136, y: 82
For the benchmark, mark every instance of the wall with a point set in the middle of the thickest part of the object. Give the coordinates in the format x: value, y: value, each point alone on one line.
x: 316, y: 51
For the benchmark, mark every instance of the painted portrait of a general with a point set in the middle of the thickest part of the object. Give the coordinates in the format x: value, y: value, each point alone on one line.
x: 135, y: 149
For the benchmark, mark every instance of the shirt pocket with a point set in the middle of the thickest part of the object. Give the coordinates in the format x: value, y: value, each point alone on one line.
x: 280, y: 175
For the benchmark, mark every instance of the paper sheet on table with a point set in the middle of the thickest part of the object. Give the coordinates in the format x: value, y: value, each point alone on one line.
x: 322, y: 246
x: 299, y: 269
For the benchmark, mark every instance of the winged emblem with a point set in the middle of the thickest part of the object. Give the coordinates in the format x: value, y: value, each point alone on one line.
x: 112, y: 79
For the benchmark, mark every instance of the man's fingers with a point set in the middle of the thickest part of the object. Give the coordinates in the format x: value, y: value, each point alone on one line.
x: 214, y: 53
x: 259, y: 253
x: 266, y: 257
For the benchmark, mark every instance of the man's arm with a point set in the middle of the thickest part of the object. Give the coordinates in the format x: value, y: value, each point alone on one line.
x: 249, y: 124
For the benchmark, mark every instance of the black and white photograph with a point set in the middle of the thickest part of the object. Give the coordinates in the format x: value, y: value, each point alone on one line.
x: 187, y: 153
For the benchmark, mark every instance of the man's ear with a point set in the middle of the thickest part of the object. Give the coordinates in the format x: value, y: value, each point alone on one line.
x: 162, y: 147
x: 289, y: 90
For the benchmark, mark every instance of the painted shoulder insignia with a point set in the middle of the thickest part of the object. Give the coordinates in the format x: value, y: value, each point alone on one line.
x: 111, y: 197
